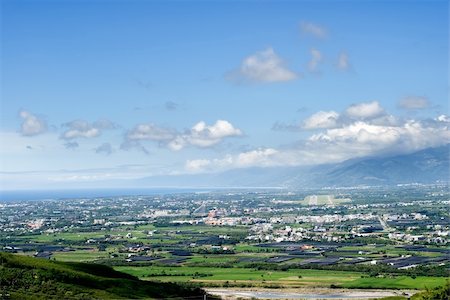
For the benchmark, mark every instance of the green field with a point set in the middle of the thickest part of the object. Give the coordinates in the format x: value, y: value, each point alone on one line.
x: 400, y: 282
x: 291, y: 278
x: 80, y: 255
x: 24, y: 277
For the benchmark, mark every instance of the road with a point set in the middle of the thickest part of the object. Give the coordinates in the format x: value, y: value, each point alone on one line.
x: 329, y: 200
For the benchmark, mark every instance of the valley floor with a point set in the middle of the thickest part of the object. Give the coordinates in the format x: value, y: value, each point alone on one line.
x: 306, y: 293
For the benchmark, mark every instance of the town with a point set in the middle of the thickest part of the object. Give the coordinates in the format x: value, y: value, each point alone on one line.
x: 378, y: 232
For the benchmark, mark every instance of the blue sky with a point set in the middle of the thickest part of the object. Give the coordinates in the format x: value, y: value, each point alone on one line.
x: 103, y: 90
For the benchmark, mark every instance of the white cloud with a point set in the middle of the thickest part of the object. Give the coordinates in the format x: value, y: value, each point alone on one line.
x: 316, y: 59
x: 362, y: 138
x: 315, y: 30
x: 150, y: 132
x: 443, y: 118
x: 343, y: 62
x: 321, y: 119
x: 262, y: 157
x: 359, y: 132
x: 259, y: 157
x: 365, y: 110
x: 263, y: 66
x: 197, y: 165
x: 83, y: 129
x: 414, y: 102
x: 203, y: 135
x: 200, y: 135
x: 31, y: 124
x: 341, y: 139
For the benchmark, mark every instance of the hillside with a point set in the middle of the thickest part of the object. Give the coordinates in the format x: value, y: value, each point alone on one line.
x: 426, y: 166
x: 31, y: 278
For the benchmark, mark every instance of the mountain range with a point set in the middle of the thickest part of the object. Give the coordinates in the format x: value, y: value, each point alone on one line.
x: 426, y: 166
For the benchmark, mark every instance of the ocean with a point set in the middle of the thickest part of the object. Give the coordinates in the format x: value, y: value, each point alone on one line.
x: 30, y: 195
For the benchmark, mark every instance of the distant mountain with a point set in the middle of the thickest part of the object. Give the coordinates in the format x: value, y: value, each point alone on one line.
x: 426, y: 166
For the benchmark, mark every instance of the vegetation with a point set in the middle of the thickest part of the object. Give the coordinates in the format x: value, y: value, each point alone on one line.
x: 438, y: 293
x: 266, y: 239
x: 31, y: 278
x: 236, y: 276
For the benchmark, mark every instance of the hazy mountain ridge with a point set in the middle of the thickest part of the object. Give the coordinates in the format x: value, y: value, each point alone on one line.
x: 426, y: 166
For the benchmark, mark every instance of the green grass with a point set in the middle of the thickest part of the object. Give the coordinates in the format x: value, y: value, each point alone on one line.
x: 25, y: 277
x: 307, y: 277
x: 80, y: 255
x: 400, y: 282
x: 67, y: 236
x: 212, y: 259
x: 317, y: 278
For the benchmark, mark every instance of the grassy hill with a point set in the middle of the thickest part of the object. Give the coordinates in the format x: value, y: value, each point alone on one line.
x: 31, y: 278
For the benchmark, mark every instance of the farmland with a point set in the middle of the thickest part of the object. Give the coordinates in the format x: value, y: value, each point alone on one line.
x: 290, y: 278
x: 235, y: 239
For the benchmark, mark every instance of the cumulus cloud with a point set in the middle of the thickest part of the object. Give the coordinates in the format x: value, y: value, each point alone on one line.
x: 83, y: 129
x: 202, y: 165
x: 197, y: 165
x: 414, y: 102
x: 264, y: 66
x: 372, y: 111
x: 365, y: 110
x: 353, y: 140
x: 203, y: 135
x: 259, y: 157
x: 104, y: 148
x: 314, y: 30
x: 371, y: 131
x: 31, y: 124
x: 316, y: 59
x: 343, y: 62
x: 150, y: 132
x: 363, y: 130
x: 321, y: 119
x: 200, y: 135
x: 443, y: 118
x: 262, y: 157
x: 362, y: 138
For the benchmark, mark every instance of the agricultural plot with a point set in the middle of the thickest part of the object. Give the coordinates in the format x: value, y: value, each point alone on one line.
x: 291, y: 278
x: 80, y: 255
x: 266, y: 243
